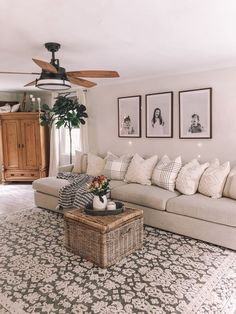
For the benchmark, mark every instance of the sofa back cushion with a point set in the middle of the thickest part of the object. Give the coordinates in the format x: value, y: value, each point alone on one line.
x: 140, y: 170
x: 81, y: 162
x: 166, y: 171
x: 230, y: 185
x: 213, y: 179
x: 116, y: 167
x: 95, y: 165
x: 189, y: 176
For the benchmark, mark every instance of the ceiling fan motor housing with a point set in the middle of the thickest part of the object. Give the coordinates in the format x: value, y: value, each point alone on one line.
x: 52, y: 80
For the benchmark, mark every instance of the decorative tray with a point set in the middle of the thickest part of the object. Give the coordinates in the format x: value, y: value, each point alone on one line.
x: 119, y: 209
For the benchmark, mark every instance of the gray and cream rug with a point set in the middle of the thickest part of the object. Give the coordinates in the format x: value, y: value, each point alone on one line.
x: 171, y: 274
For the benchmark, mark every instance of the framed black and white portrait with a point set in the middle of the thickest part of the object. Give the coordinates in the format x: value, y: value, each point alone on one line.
x: 159, y: 115
x: 129, y: 116
x: 195, y: 113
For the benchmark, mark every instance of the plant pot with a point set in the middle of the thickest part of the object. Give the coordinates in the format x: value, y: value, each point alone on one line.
x: 97, y: 204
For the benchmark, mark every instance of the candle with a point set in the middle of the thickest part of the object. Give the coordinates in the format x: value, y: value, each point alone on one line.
x: 111, y: 205
x: 39, y: 101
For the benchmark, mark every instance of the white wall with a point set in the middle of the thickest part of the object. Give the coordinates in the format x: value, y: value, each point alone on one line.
x: 103, y: 125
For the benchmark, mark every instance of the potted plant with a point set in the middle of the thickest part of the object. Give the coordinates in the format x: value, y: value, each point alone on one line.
x: 99, y: 187
x: 66, y: 112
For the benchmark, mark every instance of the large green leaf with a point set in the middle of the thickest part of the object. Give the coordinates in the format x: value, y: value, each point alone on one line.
x: 60, y: 123
x: 45, y: 107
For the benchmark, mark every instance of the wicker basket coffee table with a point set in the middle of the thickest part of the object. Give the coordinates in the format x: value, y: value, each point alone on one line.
x: 103, y: 240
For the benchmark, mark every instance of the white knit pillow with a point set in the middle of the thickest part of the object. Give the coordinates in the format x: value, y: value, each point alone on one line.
x: 213, y: 179
x: 188, y: 178
x: 230, y: 185
x: 166, y: 171
x: 95, y: 165
x: 140, y: 170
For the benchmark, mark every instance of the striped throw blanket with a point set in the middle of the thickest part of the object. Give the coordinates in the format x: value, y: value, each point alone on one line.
x: 76, y: 193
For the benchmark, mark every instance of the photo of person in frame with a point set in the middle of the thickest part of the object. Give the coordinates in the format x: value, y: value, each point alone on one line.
x: 126, y: 127
x: 195, y: 126
x: 157, y: 121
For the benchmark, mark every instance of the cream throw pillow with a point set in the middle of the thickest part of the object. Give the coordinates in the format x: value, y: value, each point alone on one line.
x: 80, y: 164
x: 230, y: 185
x: 213, y: 179
x: 166, y: 171
x: 188, y: 178
x: 95, y: 165
x: 140, y: 170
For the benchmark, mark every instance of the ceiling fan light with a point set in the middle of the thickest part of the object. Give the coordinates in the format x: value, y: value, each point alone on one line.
x: 53, y: 84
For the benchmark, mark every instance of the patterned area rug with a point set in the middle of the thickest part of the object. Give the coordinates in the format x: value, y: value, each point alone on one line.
x: 171, y: 274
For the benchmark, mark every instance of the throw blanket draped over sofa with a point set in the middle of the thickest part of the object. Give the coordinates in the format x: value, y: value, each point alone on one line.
x: 75, y: 194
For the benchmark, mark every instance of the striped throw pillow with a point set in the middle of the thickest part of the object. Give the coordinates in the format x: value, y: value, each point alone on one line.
x: 165, y: 172
x: 116, y: 167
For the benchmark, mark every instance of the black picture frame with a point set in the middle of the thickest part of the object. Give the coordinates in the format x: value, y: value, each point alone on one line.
x: 129, y: 116
x: 195, y: 113
x: 161, y: 126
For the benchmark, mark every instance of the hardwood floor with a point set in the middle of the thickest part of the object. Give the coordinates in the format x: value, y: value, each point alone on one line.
x: 16, y: 196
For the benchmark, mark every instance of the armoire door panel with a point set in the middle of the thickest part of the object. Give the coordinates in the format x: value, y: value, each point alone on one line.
x: 30, y: 144
x: 11, y: 144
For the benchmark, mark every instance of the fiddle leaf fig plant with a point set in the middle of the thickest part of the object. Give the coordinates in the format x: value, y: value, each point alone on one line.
x: 66, y: 112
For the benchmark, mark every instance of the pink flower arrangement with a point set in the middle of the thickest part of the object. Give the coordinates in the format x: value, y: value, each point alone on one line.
x: 99, y: 186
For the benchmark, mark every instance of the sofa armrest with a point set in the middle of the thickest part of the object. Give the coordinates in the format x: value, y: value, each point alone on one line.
x: 66, y: 168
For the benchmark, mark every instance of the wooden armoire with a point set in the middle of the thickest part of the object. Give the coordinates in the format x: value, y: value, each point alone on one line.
x: 24, y: 146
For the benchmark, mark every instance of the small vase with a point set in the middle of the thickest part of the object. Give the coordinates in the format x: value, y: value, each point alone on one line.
x: 97, y: 204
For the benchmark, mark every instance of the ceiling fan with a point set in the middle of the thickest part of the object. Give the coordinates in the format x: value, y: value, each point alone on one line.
x: 54, y: 77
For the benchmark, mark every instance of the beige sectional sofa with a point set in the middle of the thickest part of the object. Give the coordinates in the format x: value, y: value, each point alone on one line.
x: 196, y: 216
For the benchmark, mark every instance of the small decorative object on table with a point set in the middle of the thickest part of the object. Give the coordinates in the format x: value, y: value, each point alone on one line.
x: 113, y: 208
x: 99, y: 187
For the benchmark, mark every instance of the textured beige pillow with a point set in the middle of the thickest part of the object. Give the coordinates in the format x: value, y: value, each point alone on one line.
x: 230, y: 185
x: 80, y: 164
x: 166, y: 171
x: 140, y: 170
x: 213, y: 179
x: 95, y: 165
x: 116, y: 167
x: 188, y: 178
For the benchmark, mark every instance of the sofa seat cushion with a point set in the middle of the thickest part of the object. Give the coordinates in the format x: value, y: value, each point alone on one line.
x: 222, y: 211
x: 149, y: 196
x: 49, y: 185
x: 115, y: 183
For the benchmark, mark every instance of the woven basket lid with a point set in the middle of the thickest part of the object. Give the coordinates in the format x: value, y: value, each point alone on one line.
x: 103, y: 224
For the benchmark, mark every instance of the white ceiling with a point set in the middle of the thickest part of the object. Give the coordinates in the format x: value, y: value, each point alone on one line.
x: 138, y: 38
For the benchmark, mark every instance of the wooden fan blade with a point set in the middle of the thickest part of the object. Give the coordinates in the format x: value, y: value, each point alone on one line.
x: 30, y: 84
x: 45, y: 66
x: 32, y: 73
x: 95, y: 73
x: 81, y: 82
